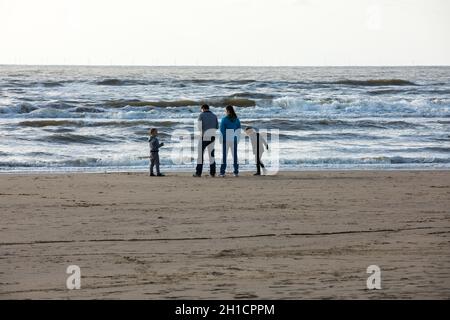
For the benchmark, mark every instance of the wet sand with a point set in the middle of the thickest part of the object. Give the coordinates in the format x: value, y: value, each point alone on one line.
x: 296, y: 235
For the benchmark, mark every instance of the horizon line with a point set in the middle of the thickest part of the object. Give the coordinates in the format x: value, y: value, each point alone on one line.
x: 215, y: 66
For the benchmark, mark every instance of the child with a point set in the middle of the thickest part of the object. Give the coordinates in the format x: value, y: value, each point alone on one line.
x: 154, y: 152
x: 258, y: 144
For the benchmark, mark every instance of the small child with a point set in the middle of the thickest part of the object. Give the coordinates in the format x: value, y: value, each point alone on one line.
x: 154, y: 152
x: 258, y: 144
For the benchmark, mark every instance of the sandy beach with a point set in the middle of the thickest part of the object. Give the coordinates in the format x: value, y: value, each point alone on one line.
x: 296, y: 235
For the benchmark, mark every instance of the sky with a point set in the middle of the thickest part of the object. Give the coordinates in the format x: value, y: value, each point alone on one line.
x: 225, y: 32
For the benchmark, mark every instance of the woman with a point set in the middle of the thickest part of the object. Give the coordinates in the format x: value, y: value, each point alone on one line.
x: 230, y: 129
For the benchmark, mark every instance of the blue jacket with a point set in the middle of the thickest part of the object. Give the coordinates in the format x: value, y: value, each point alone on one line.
x: 227, y: 123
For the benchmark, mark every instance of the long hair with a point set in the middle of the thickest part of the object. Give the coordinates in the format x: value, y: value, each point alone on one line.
x: 231, y: 112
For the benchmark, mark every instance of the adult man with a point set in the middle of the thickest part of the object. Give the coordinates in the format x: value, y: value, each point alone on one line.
x: 207, y: 125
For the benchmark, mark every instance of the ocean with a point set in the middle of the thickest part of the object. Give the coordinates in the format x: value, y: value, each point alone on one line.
x: 82, y: 118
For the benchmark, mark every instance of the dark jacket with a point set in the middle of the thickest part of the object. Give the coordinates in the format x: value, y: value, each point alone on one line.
x: 208, y: 121
x: 154, y: 144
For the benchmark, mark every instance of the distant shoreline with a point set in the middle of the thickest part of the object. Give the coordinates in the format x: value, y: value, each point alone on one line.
x: 223, y: 66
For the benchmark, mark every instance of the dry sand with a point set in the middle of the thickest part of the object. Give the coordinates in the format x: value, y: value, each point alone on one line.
x: 292, y: 236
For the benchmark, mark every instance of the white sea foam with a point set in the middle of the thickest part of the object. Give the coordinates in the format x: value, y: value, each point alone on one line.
x: 98, y: 118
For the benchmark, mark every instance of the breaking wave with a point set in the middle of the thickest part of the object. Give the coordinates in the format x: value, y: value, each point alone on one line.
x: 124, y: 82
x: 75, y: 138
x: 375, y: 82
x: 368, y: 160
x: 99, y: 123
x: 117, y: 82
x: 284, y: 107
x: 219, y: 101
x: 135, y: 161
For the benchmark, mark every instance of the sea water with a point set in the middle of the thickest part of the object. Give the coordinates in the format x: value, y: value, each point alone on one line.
x: 83, y: 118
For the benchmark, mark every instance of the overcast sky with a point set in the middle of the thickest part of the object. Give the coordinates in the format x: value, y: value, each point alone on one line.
x: 225, y: 32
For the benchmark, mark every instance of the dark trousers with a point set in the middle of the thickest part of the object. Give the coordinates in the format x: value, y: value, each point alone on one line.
x: 259, y: 163
x: 258, y: 155
x: 154, y: 162
x: 212, y: 165
x: 225, y: 147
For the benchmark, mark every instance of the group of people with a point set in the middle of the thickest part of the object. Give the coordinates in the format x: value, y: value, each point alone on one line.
x: 229, y: 128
